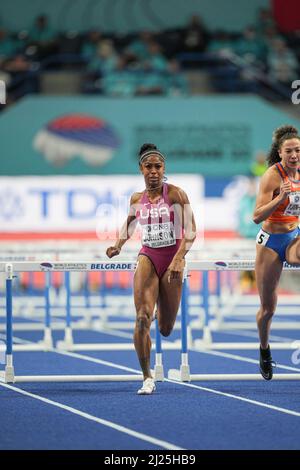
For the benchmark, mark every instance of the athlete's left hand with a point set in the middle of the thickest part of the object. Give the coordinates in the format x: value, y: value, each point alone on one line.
x: 175, y: 269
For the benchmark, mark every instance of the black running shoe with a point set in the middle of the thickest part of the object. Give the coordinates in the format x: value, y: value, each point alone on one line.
x: 266, y: 364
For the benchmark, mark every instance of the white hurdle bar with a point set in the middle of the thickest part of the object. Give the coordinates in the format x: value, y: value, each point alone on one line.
x: 183, y: 374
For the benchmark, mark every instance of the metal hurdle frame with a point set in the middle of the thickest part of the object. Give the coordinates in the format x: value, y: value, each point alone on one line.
x: 8, y: 376
x: 218, y: 325
x: 287, y: 306
x: 183, y: 374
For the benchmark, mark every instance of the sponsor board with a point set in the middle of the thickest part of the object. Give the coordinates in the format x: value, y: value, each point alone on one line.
x: 80, y: 203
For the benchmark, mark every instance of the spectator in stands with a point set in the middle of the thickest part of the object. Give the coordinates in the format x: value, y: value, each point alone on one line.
x: 221, y: 43
x: 101, y: 65
x: 251, y: 47
x: 90, y: 45
x: 259, y: 166
x: 42, y: 37
x: 41, y: 33
x: 138, y: 49
x: 194, y: 36
x: 283, y: 64
x: 22, y: 77
x: 270, y: 35
x: 106, y: 59
x: 119, y: 82
x: 265, y: 20
x: 152, y: 80
x: 8, y: 47
x: 294, y: 42
x: 176, y: 82
x: 155, y: 60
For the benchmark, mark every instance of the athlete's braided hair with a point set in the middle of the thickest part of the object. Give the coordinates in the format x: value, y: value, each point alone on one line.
x: 280, y: 135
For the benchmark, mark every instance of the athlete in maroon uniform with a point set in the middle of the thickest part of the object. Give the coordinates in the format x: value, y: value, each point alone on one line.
x: 168, y: 231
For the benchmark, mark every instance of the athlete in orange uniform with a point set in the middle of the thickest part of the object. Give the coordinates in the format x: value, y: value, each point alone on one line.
x: 278, y: 207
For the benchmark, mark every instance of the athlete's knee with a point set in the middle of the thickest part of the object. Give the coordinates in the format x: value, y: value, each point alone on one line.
x: 166, y: 329
x: 143, y: 319
x: 293, y: 256
x: 267, y: 312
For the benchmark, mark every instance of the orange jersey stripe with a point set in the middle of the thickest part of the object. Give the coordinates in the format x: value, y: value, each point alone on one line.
x: 278, y: 215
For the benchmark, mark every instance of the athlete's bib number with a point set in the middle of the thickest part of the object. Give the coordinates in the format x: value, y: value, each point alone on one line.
x: 159, y: 235
x: 262, y: 237
x: 294, y: 204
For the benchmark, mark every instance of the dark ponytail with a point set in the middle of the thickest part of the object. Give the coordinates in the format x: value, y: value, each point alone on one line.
x: 146, y: 147
x: 280, y: 135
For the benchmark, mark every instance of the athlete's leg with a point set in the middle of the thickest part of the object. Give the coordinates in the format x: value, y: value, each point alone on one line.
x: 168, y: 302
x: 146, y: 284
x: 292, y: 253
x: 268, y: 268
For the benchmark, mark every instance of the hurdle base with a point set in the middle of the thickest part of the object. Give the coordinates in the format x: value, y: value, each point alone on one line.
x: 67, y: 343
x: 159, y: 374
x: 47, y: 341
x: 9, y: 374
x: 181, y: 375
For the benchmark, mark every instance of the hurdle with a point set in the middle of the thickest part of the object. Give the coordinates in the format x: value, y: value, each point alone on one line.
x: 218, y: 325
x: 183, y: 374
x: 8, y: 376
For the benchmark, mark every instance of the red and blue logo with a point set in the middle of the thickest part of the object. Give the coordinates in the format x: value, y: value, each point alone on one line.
x: 77, y: 135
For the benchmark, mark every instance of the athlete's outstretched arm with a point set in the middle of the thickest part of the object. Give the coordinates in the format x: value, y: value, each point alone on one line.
x: 126, y: 231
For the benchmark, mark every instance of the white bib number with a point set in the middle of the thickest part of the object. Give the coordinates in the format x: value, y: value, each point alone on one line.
x: 262, y: 237
x: 158, y: 235
x: 294, y: 204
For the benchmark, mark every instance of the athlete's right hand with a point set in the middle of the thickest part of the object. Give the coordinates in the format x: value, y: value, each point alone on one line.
x: 285, y: 190
x: 112, y: 251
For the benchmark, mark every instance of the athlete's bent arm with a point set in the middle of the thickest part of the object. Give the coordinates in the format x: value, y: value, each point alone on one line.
x: 265, y: 205
x: 126, y: 230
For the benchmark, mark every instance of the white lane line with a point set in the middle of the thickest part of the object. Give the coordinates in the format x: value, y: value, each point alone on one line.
x: 231, y: 356
x: 236, y: 397
x: 236, y: 357
x: 97, y: 361
x: 228, y: 395
x: 250, y: 334
x: 104, y: 422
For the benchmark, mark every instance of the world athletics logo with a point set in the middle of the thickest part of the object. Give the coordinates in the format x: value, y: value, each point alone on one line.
x: 77, y: 135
